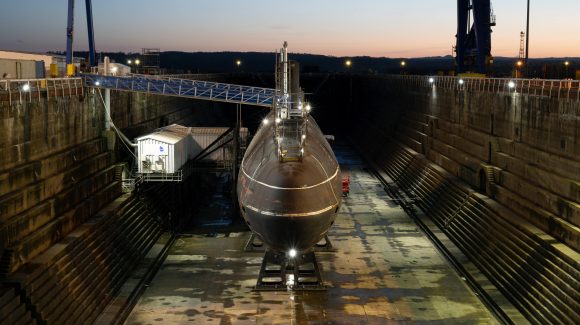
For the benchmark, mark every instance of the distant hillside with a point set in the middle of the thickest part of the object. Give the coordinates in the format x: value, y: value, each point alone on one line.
x: 264, y: 62
x: 211, y: 62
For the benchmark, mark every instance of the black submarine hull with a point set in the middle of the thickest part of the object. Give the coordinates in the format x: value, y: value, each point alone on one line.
x: 290, y: 205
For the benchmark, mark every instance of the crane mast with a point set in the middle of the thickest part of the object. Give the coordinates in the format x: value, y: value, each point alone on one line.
x: 70, y: 32
x: 473, y: 46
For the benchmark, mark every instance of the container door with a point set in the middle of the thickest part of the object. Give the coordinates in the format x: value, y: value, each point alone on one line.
x: 148, y: 163
x: 162, y: 164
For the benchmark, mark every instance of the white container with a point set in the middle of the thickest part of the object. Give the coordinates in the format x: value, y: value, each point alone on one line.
x: 21, y: 69
x: 164, y: 151
x: 169, y: 148
x: 205, y: 136
x: 47, y: 59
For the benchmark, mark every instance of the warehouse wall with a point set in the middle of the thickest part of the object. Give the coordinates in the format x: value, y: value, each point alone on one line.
x: 21, y: 69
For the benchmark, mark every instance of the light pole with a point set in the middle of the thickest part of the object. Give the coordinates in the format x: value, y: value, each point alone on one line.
x: 137, y: 62
x: 348, y: 64
x: 403, y: 65
x: 130, y: 64
x: 519, y: 65
x: 527, y: 39
x: 566, y: 64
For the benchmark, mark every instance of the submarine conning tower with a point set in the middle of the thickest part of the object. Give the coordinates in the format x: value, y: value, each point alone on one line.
x: 290, y: 109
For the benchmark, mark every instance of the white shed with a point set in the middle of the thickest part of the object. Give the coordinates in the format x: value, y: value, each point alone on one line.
x: 166, y: 150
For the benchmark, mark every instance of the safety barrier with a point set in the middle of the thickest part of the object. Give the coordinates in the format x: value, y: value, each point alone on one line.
x: 560, y: 89
x: 29, y: 89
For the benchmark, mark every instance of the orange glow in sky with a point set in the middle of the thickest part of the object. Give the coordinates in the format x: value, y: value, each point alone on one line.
x: 379, y: 28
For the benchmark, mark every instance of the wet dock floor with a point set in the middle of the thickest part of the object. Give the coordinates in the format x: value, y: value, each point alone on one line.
x: 384, y: 271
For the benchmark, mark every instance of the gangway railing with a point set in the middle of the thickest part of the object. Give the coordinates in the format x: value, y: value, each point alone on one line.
x: 187, y: 88
x: 188, y: 76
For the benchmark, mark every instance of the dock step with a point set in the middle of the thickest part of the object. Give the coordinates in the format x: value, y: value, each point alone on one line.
x: 73, y: 282
x: 538, y: 277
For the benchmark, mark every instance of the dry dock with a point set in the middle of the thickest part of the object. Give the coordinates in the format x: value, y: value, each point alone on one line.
x: 384, y: 270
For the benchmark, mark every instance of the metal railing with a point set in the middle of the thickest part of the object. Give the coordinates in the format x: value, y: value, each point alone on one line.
x: 161, y: 177
x: 560, y: 89
x: 189, y: 76
x: 29, y: 89
x: 197, y: 89
x: 129, y: 184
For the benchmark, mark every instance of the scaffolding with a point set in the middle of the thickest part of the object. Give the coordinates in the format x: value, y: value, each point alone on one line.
x: 150, y: 61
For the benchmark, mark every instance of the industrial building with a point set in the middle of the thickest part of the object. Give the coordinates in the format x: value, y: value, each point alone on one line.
x: 25, y: 65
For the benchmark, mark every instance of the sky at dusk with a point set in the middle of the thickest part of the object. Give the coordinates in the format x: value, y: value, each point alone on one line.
x: 379, y: 28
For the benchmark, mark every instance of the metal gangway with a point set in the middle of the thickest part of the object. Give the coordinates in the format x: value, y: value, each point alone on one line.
x: 186, y: 88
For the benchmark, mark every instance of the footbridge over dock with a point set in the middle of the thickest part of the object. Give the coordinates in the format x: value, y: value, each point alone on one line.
x: 186, y: 88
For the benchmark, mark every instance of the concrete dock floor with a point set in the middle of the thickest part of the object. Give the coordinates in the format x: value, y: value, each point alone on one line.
x: 384, y: 271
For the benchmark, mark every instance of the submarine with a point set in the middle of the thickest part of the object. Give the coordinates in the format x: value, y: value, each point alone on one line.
x: 289, y: 183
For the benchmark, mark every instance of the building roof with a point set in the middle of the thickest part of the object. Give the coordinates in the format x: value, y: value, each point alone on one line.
x: 169, y: 134
x: 174, y: 133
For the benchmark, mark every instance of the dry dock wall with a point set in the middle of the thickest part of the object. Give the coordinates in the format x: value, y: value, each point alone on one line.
x: 53, y: 164
x: 497, y: 171
x: 529, y: 144
x: 63, y: 216
x: 56, y: 169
